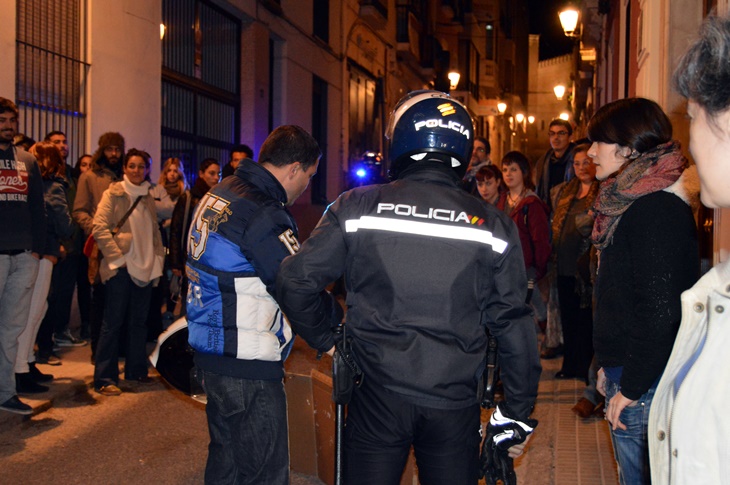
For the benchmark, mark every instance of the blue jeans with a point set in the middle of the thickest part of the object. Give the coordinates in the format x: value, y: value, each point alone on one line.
x: 247, y: 422
x: 630, y: 446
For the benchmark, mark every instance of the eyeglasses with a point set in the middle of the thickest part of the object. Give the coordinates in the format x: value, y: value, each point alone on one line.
x: 557, y: 133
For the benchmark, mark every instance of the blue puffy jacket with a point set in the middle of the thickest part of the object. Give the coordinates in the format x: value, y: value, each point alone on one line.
x: 240, y: 233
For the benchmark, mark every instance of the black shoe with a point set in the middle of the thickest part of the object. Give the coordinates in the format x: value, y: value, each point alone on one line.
x: 37, y: 375
x: 141, y: 379
x: 49, y: 359
x: 24, y: 384
x: 15, y: 405
x: 66, y: 339
x: 564, y: 375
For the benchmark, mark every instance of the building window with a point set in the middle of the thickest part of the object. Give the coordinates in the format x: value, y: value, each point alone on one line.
x: 319, y: 132
x: 321, y: 16
x: 200, y: 83
x: 469, y: 67
x: 365, y: 123
x: 51, y: 70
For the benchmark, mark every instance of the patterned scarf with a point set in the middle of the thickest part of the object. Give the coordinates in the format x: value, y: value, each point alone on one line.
x: 174, y: 189
x: 564, y: 200
x: 653, y: 171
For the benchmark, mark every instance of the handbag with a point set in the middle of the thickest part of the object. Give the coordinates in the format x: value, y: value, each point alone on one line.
x: 91, y: 248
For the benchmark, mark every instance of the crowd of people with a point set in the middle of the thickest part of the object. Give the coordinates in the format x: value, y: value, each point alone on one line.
x: 594, y: 245
x: 101, y: 230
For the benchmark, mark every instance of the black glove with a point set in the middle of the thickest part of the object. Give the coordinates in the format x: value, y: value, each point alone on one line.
x: 503, y: 432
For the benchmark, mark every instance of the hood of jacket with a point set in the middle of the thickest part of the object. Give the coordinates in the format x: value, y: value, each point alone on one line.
x: 687, y: 187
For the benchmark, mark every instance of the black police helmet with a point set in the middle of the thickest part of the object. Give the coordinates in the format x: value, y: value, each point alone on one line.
x: 429, y: 122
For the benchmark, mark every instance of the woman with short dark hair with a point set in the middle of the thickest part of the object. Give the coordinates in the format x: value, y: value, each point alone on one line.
x: 489, y: 184
x: 530, y: 214
x: 646, y: 239
x: 694, y: 391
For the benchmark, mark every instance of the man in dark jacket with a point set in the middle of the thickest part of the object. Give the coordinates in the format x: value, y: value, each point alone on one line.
x: 239, y: 152
x: 54, y: 328
x: 556, y: 166
x: 240, y: 233
x: 106, y: 167
x: 428, y: 268
x: 23, y: 216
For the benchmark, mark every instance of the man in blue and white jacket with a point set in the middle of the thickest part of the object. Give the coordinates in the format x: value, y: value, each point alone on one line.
x: 241, y: 231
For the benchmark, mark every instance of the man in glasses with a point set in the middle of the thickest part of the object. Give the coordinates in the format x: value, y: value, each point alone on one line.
x: 556, y: 166
x: 479, y: 158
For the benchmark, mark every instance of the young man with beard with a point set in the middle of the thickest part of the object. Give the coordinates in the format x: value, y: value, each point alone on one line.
x: 106, y: 167
x: 22, y: 213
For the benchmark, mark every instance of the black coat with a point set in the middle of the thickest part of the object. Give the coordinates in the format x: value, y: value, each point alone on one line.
x: 427, y: 266
x: 653, y: 258
x: 179, y: 226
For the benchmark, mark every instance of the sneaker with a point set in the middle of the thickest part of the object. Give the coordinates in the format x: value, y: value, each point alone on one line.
x: 24, y: 384
x: 37, y: 375
x: 15, y: 405
x: 51, y: 359
x: 108, y: 390
x: 66, y: 339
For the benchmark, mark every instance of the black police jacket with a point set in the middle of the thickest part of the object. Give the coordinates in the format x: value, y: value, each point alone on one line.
x: 427, y: 266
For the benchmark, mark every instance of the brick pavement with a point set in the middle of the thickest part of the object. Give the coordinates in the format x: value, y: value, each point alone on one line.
x: 564, y: 450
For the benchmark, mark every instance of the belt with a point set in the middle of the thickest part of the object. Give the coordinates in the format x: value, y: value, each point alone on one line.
x: 13, y: 252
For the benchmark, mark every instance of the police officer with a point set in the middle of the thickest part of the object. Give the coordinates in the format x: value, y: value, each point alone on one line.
x: 427, y: 267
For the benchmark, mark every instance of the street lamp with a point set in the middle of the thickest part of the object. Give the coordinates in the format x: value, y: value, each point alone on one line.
x: 454, y: 79
x: 531, y: 119
x: 501, y: 107
x: 559, y: 91
x: 564, y: 116
x: 520, y: 117
x: 569, y: 20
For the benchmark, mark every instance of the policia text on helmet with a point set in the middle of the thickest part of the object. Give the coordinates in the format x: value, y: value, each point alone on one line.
x: 429, y: 125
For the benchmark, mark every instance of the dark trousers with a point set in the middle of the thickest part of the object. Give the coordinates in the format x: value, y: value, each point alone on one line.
x: 247, y: 422
x: 60, y: 296
x: 124, y: 302
x: 96, y: 314
x: 577, y: 330
x: 83, y: 295
x: 381, y: 427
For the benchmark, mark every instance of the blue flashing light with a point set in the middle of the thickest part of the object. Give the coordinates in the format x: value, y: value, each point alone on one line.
x: 361, y: 172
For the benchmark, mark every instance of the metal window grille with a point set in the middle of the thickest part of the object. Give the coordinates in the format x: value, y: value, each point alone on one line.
x: 52, y: 70
x: 200, y: 83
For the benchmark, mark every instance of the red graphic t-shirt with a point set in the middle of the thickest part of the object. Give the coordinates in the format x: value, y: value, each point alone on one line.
x: 13, y: 180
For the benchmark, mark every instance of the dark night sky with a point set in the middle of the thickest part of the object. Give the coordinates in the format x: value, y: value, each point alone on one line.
x: 544, y: 21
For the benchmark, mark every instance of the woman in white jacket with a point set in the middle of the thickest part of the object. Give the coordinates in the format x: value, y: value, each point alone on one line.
x: 689, y: 427
x: 132, y: 264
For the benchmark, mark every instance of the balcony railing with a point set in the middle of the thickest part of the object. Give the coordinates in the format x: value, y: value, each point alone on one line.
x: 375, y: 13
